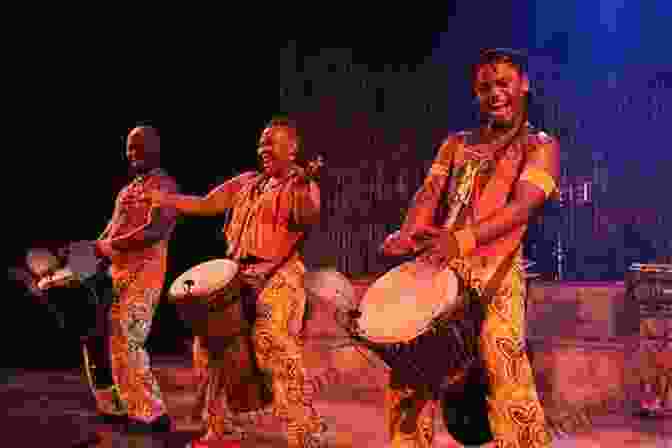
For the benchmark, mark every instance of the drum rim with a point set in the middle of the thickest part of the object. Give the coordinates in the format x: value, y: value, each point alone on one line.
x: 409, y: 335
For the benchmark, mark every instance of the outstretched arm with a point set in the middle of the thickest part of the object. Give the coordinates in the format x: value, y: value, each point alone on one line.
x: 214, y: 203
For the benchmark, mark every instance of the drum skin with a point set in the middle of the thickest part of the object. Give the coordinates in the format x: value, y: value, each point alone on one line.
x: 207, y: 298
x: 401, y: 305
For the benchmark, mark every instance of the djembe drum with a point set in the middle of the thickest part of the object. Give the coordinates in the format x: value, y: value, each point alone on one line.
x: 425, y: 323
x: 210, y: 299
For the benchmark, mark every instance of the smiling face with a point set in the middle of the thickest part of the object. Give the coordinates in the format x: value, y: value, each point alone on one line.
x: 501, y: 91
x: 277, y: 150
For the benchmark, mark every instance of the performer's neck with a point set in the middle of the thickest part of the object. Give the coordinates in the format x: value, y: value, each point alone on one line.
x: 491, y: 129
x: 137, y: 172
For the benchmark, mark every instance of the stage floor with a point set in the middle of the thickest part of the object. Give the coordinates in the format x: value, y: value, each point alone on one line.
x: 54, y: 409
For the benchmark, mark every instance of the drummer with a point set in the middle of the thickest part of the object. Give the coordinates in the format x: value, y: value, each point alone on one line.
x: 271, y: 212
x: 482, y: 243
x: 136, y: 243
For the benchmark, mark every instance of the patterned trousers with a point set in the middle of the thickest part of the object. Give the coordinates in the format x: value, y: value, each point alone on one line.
x: 656, y: 359
x: 279, y: 354
x: 514, y: 411
x: 136, y: 294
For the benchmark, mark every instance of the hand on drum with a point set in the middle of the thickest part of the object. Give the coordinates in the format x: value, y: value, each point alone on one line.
x: 440, y: 244
x: 398, y: 244
x: 257, y: 274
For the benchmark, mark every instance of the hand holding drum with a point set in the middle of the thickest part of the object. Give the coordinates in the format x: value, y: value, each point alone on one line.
x: 158, y: 198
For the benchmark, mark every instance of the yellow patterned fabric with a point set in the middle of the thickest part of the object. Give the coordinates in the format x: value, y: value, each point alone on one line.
x: 410, y: 426
x: 137, y: 291
x: 540, y: 178
x: 655, y: 360
x: 278, y: 349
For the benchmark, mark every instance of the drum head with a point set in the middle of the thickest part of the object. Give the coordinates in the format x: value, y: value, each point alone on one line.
x: 82, y: 259
x: 401, y: 304
x: 207, y: 278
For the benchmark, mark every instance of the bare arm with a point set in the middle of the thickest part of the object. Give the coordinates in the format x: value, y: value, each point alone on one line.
x: 538, y: 181
x: 214, y: 203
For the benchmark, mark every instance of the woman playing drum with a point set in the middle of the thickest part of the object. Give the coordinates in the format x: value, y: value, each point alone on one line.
x: 271, y: 211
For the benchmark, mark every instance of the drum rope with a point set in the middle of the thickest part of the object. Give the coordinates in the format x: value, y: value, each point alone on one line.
x: 359, y: 342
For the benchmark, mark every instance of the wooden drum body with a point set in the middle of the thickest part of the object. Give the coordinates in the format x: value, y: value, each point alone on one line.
x: 424, y: 324
x: 416, y: 319
x: 208, y: 298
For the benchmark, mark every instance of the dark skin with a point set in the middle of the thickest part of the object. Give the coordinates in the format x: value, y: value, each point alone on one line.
x: 142, y: 152
x: 500, y: 90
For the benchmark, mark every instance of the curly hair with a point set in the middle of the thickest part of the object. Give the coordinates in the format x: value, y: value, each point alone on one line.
x: 491, y: 56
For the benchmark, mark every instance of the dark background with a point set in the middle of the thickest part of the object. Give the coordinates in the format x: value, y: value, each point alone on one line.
x: 67, y: 158
x: 211, y: 96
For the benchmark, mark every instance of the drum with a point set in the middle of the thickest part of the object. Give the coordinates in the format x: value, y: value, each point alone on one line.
x: 41, y: 262
x: 210, y: 298
x: 82, y: 259
x: 424, y: 323
x: 207, y: 298
x: 82, y: 264
x: 414, y: 312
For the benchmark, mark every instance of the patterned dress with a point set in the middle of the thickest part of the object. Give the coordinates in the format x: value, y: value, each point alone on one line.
x: 477, y: 187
